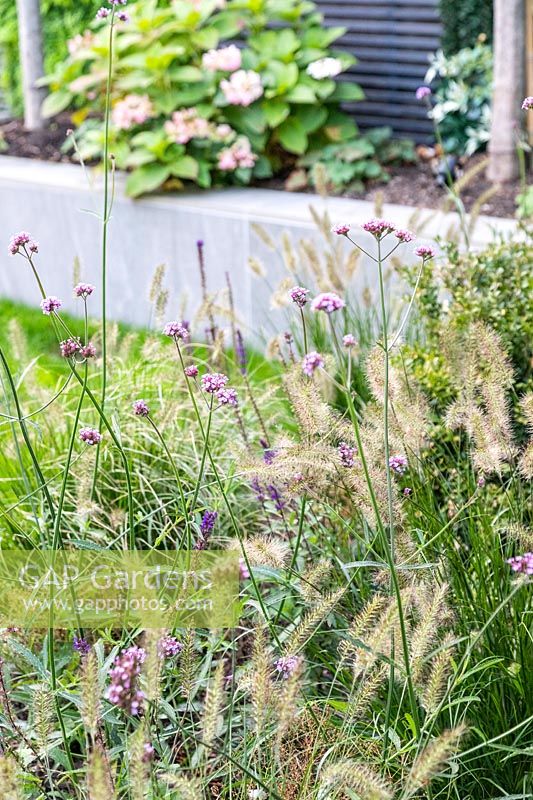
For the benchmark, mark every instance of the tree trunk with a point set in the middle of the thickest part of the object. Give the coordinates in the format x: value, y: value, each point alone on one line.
x: 31, y: 60
x: 508, y: 88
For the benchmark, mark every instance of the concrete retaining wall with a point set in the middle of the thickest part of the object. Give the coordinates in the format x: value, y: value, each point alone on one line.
x: 58, y: 204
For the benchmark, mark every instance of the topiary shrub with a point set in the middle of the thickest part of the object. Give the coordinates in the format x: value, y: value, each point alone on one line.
x: 207, y: 93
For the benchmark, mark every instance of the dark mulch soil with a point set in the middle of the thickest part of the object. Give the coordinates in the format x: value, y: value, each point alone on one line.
x: 413, y: 184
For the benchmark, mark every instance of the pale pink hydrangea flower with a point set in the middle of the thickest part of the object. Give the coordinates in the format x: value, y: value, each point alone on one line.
x: 134, y: 109
x: 312, y: 361
x: 425, y: 251
x: 90, y: 436
x: 187, y: 124
x: 223, y: 132
x: 527, y: 104
x: 379, y: 227
x: 324, y: 68
x: 226, y: 59
x: 82, y: 41
x: 50, y: 304
x: 341, y: 229
x: 243, y: 88
x: 239, y: 155
x: 328, y: 302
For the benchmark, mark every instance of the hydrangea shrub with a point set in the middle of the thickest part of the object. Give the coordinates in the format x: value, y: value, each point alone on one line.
x: 210, y: 92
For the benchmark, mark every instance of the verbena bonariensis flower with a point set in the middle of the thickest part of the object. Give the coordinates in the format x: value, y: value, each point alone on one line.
x: 240, y: 352
x: 341, y: 229
x: 102, y: 13
x: 379, y: 227
x: 244, y: 572
x: 90, y: 436
x: 276, y: 497
x: 50, y: 304
x: 398, y: 464
x: 404, y: 235
x: 527, y: 104
x: 83, y: 289
x: 69, y: 347
x: 148, y: 753
x: 88, y: 350
x: 347, y: 454
x: 213, y: 382
x: 191, y: 371
x: 22, y: 240
x: 140, y: 408
x: 298, y: 295
x: 286, y: 665
x: 311, y: 362
x: 122, y: 16
x: 169, y: 647
x: 422, y: 92
x: 227, y: 397
x: 328, y: 302
x: 425, y: 251
x: 349, y: 340
x: 177, y: 330
x: 407, y: 491
x: 523, y: 564
x: 123, y: 690
x: 81, y: 645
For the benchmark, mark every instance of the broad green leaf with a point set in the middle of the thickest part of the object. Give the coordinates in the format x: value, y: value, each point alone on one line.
x: 185, y: 167
x: 186, y: 74
x: 346, y: 92
x: 312, y: 118
x: 301, y: 93
x: 56, y: 102
x: 147, y: 178
x: 292, y: 136
x: 280, y: 76
x: 275, y: 111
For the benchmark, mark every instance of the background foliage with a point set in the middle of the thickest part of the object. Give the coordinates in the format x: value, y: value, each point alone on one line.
x: 463, y: 21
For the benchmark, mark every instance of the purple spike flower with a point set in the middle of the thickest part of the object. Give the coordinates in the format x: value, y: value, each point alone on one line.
x: 81, y: 645
x: 124, y: 689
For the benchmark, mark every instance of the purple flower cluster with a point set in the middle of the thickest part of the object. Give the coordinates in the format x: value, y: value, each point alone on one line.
x: 207, y: 526
x: 347, y: 454
x: 88, y: 350
x: 227, y: 397
x: 140, y: 408
x: 22, y: 240
x: 286, y: 665
x: 328, y: 302
x: 90, y: 436
x: 341, y: 229
x: 398, y: 464
x: 213, y: 382
x: 527, y: 104
x: 177, y: 330
x: 425, y: 251
x: 83, y: 290
x: 311, y: 362
x: 244, y: 572
x: 422, y: 92
x: 124, y: 689
x: 102, y: 13
x: 298, y: 295
x: 349, y: 340
x: 81, y: 645
x: 379, y: 227
x: 69, y: 347
x: 148, y: 753
x: 404, y: 235
x: 523, y: 564
x: 191, y: 371
x: 50, y: 304
x: 169, y: 647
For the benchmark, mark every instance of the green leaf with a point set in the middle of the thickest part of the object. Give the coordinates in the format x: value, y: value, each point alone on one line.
x: 147, y: 178
x: 56, y: 102
x: 186, y: 74
x: 275, y: 111
x: 292, y: 136
x: 321, y: 38
x: 247, y: 120
x: 301, y: 93
x: 262, y: 168
x: 312, y: 118
x: 346, y: 92
x: 185, y: 167
x: 280, y: 76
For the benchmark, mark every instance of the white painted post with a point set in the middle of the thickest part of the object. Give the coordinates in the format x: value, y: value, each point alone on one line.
x: 508, y: 89
x: 31, y: 60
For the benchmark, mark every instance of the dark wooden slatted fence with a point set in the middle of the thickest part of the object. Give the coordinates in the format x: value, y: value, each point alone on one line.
x: 392, y: 40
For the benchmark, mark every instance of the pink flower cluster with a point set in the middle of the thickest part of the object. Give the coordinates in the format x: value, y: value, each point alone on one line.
x: 527, y: 104
x: 83, y: 290
x: 69, y: 347
x: 243, y: 88
x: 341, y: 229
x: 177, y: 330
x: 88, y: 350
x: 298, y: 295
x: 379, y: 227
x: 82, y: 41
x: 422, y: 92
x: 347, y: 454
x: 311, y: 362
x: 286, y: 665
x: 140, y: 408
x: 187, y: 124
x: 191, y: 371
x: 328, y: 302
x: 50, y: 304
x: 523, y: 564
x: 227, y: 397
x: 398, y: 464
x: 226, y: 59
x: 349, y: 340
x: 404, y: 235
x: 425, y: 252
x: 124, y: 689
x: 213, y: 382
x: 134, y: 109
x: 239, y: 155
x: 90, y: 436
x: 169, y: 647
x: 22, y: 240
